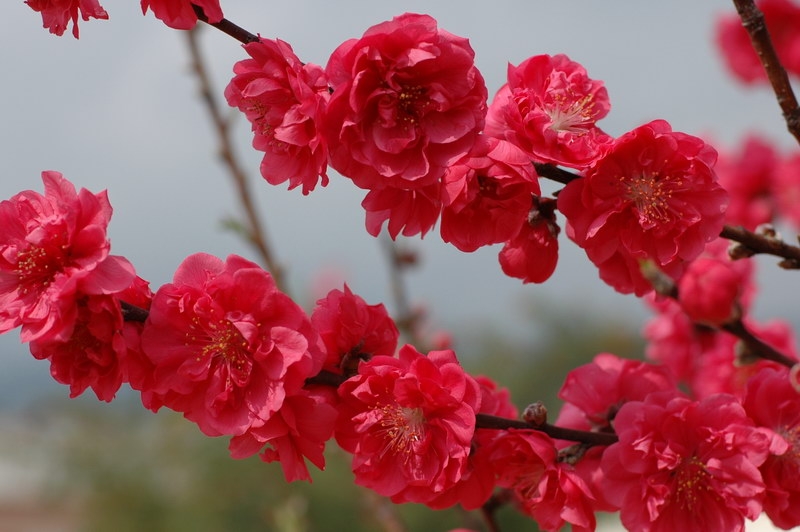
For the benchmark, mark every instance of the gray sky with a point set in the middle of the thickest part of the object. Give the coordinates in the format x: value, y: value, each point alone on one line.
x: 117, y: 110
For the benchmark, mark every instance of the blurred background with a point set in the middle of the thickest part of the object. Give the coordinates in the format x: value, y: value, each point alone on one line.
x: 118, y: 110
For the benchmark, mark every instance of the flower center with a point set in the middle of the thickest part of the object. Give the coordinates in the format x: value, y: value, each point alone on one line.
x: 411, y: 102
x: 36, y: 269
x: 402, y: 428
x: 651, y: 194
x: 691, y: 479
x: 222, y: 342
x: 570, y: 115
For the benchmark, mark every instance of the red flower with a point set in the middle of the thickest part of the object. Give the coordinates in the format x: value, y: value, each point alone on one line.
x: 284, y: 100
x: 709, y: 291
x: 57, y: 14
x: 774, y: 403
x: 549, y: 108
x: 653, y: 196
x: 409, y: 423
x: 749, y: 176
x: 547, y: 489
x: 787, y: 188
x: 179, y: 14
x: 600, y: 388
x: 226, y: 345
x: 95, y: 354
x: 410, y: 211
x: 532, y: 253
x: 407, y: 101
x: 683, y: 465
x: 297, y: 431
x: 783, y: 19
x: 48, y: 246
x: 352, y: 330
x: 487, y: 195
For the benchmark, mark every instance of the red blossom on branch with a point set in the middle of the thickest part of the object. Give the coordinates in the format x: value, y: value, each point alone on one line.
x: 549, y: 108
x: 227, y: 347
x: 685, y: 465
x: 652, y: 197
x: 57, y: 14
x: 53, y: 250
x: 407, y: 101
x: 284, y: 100
x: 409, y: 423
x: 180, y: 14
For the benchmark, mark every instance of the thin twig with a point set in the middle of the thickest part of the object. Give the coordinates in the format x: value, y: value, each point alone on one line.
x: 756, y: 346
x: 486, y: 421
x: 757, y: 243
x: 227, y: 27
x: 404, y: 316
x: 256, y: 234
x: 756, y: 27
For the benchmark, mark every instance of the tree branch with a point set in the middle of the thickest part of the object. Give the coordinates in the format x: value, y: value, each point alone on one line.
x: 227, y: 27
x: 754, y: 24
x: 255, y: 232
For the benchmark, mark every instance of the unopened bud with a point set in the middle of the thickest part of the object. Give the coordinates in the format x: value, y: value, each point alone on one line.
x: 535, y: 414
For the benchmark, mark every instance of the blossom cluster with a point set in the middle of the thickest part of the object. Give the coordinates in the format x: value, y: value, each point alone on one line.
x: 702, y: 436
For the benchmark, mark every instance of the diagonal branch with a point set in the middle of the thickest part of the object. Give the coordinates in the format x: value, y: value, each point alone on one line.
x: 753, y: 22
x: 255, y: 232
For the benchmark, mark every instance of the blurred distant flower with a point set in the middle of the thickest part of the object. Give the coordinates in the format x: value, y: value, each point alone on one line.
x: 283, y: 99
x: 783, y: 20
x: 57, y: 14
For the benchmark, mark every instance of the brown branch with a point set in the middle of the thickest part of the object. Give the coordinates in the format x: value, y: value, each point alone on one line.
x: 486, y: 421
x: 132, y: 312
x: 756, y: 346
x: 555, y: 173
x: 405, y: 317
x: 756, y: 27
x: 757, y: 243
x: 227, y: 27
x: 255, y: 232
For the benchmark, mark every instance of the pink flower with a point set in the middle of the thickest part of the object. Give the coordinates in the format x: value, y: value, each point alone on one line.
x: 96, y: 352
x: 226, y: 345
x: 409, y: 423
x: 283, y: 99
x: 179, y: 14
x: 709, y: 292
x: 782, y: 18
x: 297, y: 431
x: 477, y: 483
x: 684, y: 465
x: 57, y: 14
x: 546, y: 488
x: 749, y: 176
x: 773, y: 402
x: 600, y: 388
x: 48, y: 246
x: 653, y: 196
x: 411, y: 211
x: 487, y: 195
x: 532, y: 253
x: 352, y: 330
x: 407, y: 101
x: 549, y: 108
